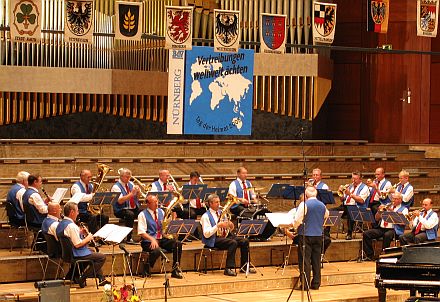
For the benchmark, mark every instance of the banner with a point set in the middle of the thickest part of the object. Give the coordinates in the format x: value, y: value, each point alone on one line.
x: 78, y: 27
x: 25, y: 21
x: 176, y: 89
x: 179, y: 22
x: 427, y: 18
x: 273, y: 33
x: 128, y: 20
x: 226, y: 30
x: 218, y: 92
x: 324, y: 22
x: 377, y: 15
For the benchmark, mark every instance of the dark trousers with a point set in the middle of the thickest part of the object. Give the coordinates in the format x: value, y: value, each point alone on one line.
x: 129, y: 215
x: 170, y: 245
x: 98, y: 261
x: 189, y: 213
x: 312, y: 259
x: 368, y: 236
x: 345, y: 215
x: 231, y: 243
x: 240, y: 208
x: 413, y: 238
x: 94, y: 222
x: 374, y: 206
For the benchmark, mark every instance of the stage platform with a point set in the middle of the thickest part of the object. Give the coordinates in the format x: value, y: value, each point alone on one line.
x: 341, y: 281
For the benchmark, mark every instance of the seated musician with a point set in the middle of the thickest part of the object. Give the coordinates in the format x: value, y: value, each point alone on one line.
x: 317, y: 180
x: 210, y: 226
x: 127, y: 206
x: 50, y: 223
x: 94, y: 222
x: 80, y: 239
x: 150, y: 229
x: 424, y: 225
x: 405, y: 188
x: 387, y: 231
x: 162, y: 184
x: 34, y: 202
x: 378, y: 188
x: 15, y: 198
x: 240, y: 188
x: 195, y: 206
x: 356, y: 193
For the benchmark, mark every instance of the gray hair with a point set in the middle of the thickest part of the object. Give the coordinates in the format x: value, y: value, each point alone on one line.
x: 22, y: 176
x: 311, y: 192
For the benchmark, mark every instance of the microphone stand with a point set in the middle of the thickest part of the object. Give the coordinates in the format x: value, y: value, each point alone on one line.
x: 127, y: 256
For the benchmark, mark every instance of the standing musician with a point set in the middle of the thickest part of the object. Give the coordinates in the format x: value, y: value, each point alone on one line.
x: 150, y: 229
x: 15, y: 198
x: 317, y: 182
x: 94, y: 222
x: 80, y: 239
x: 50, y: 223
x: 241, y: 188
x: 405, y: 188
x: 210, y: 226
x: 387, y: 231
x: 309, y: 220
x: 377, y: 189
x: 356, y: 193
x: 127, y: 206
x: 424, y: 225
x: 34, y: 202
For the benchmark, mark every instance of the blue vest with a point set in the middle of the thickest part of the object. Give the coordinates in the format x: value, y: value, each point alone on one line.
x: 47, y: 222
x: 314, y: 219
x: 399, y: 229
x: 387, y: 199
x: 411, y: 201
x: 211, y: 240
x: 37, y: 217
x: 77, y: 252
x: 320, y: 185
x: 82, y: 206
x: 151, y: 223
x: 117, y: 207
x: 358, y: 191
x: 158, y: 186
x: 431, y: 234
x: 12, y: 199
x: 239, y: 191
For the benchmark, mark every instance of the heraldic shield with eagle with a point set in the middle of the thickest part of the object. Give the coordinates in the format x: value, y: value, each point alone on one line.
x: 226, y: 30
x: 324, y: 19
x: 79, y: 16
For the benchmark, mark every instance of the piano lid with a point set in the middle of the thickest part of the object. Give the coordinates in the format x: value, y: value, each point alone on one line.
x: 420, y: 255
x: 398, y: 250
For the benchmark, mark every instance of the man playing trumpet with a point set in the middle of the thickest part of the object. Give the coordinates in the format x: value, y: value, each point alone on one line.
x: 385, y: 230
x: 241, y: 188
x: 405, y: 188
x: 424, y: 225
x: 379, y: 189
x: 317, y: 180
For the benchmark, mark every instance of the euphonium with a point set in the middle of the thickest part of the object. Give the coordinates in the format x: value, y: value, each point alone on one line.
x: 226, y: 214
x: 103, y: 169
x: 177, y: 200
x: 342, y: 189
x: 145, y: 188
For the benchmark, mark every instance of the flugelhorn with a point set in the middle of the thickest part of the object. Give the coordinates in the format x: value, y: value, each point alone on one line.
x: 342, y: 189
x: 384, y: 194
x: 411, y: 215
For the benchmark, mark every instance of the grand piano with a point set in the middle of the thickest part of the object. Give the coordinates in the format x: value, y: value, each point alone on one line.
x: 411, y: 267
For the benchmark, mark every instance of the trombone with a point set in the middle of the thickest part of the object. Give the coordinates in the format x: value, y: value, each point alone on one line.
x: 174, y: 183
x: 145, y: 189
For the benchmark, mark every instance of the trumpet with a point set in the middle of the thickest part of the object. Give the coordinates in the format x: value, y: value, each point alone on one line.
x: 342, y: 189
x: 411, y: 215
x: 387, y: 207
x: 384, y: 194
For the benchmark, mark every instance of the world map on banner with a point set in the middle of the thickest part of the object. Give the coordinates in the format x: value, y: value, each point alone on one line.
x: 218, y: 92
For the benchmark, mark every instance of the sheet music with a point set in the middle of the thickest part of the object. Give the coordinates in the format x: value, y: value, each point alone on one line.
x: 76, y: 198
x: 113, y: 233
x: 58, y: 195
x: 280, y: 218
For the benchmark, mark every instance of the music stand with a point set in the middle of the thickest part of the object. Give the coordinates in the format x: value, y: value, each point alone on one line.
x: 191, y: 192
x: 101, y: 199
x: 325, y: 196
x: 394, y: 218
x: 163, y: 197
x: 333, y: 219
x: 221, y: 192
x: 184, y: 227
x: 360, y: 216
x: 250, y: 228
x: 294, y: 193
x: 277, y: 190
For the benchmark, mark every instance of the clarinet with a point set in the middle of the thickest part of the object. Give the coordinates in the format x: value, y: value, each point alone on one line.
x: 45, y: 194
x: 86, y: 230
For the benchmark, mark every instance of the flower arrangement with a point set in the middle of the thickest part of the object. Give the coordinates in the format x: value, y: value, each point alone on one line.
x: 113, y: 295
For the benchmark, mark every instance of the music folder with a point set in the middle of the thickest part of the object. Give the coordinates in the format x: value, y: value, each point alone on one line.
x: 221, y: 192
x: 112, y: 233
x: 58, y: 195
x: 105, y: 198
x: 193, y: 191
x: 163, y: 197
x: 277, y: 190
x: 280, y: 219
x: 293, y: 192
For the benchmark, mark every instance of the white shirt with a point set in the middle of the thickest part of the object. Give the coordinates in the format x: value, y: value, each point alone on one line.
x: 72, y: 231
x: 387, y: 186
x: 233, y: 189
x: 390, y: 225
x: 142, y: 222
x: 76, y: 189
x: 324, y: 186
x: 37, y: 201
x: 19, y: 195
x: 154, y: 187
x: 292, y: 213
x: 208, y: 229
x: 53, y: 227
x: 299, y: 216
x: 408, y: 194
x: 364, y: 193
x: 427, y: 224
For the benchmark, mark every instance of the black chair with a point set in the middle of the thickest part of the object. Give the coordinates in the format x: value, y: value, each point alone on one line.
x: 17, y: 229
x: 204, y: 255
x: 67, y: 256
x: 54, y: 254
x: 38, y: 240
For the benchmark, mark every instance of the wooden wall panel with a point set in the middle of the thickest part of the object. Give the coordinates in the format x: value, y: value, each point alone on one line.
x: 434, y: 123
x: 435, y: 79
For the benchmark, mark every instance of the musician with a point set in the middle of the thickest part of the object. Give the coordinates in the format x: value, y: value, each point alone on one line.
x: 310, y: 214
x: 127, y: 206
x: 357, y: 193
x: 15, y: 198
x: 150, y: 229
x: 34, y: 202
x: 317, y: 182
x: 210, y: 225
x: 195, y: 206
x: 241, y: 188
x: 424, y: 227
x: 50, y: 223
x: 405, y: 188
x: 162, y: 183
x: 83, y: 185
x: 380, y: 184
x: 387, y: 231
x: 80, y: 241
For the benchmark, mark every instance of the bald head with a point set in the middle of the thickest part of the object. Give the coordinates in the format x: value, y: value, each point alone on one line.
x: 54, y: 209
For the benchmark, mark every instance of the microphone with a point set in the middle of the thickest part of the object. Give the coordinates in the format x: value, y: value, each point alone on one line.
x: 164, y: 256
x: 122, y: 247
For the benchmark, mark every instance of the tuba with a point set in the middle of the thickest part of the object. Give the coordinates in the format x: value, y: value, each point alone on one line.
x: 226, y: 214
x: 178, y: 200
x: 103, y: 169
